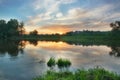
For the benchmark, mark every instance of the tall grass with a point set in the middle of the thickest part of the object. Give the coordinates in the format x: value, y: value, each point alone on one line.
x: 51, y: 62
x: 63, y: 63
x: 91, y: 74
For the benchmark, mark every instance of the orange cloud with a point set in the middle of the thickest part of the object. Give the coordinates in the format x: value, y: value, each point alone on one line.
x: 52, y: 29
x: 61, y: 29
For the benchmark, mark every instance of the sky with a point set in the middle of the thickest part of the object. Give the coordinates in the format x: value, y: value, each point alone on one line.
x: 60, y: 16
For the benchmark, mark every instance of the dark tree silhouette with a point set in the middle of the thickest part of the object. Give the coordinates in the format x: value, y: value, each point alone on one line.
x: 13, y: 48
x: 115, y: 26
x: 11, y: 28
x: 115, y: 51
x: 3, y: 28
x: 34, y: 42
x: 21, y: 28
x: 35, y: 32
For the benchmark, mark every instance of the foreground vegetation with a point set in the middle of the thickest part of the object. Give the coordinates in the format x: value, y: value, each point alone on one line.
x: 81, y: 74
x: 90, y: 74
x: 61, y: 63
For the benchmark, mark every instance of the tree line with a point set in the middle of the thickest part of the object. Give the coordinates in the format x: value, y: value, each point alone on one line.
x: 11, y: 28
x: 15, y: 28
x: 114, y: 25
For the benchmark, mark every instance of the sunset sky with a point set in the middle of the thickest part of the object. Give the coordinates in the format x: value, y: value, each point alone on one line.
x: 60, y: 16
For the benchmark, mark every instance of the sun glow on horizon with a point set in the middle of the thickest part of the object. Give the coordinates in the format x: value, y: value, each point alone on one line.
x: 55, y: 29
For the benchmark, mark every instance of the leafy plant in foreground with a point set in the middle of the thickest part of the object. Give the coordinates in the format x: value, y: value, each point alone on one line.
x: 63, y: 63
x: 51, y: 62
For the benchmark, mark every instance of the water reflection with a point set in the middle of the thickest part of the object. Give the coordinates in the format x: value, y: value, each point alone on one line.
x: 93, y: 42
x: 115, y: 51
x: 80, y: 56
x: 13, y: 48
x: 34, y: 42
x: 32, y: 56
x: 115, y: 48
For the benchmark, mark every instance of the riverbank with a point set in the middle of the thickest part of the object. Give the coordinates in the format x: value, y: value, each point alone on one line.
x: 81, y: 38
x: 90, y: 74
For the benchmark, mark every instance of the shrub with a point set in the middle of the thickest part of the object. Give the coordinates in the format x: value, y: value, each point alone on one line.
x: 63, y: 63
x: 51, y: 62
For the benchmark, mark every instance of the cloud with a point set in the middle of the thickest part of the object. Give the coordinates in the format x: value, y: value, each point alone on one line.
x: 77, y: 13
x: 34, y: 20
x: 59, y: 15
x: 93, y: 26
x: 74, y: 18
x: 50, y: 10
x: 68, y: 1
x: 50, y: 4
x: 52, y: 29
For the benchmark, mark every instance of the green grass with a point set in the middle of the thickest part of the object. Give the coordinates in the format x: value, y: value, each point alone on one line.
x: 90, y: 74
x: 63, y: 63
x: 51, y: 62
x: 91, y: 40
x: 84, y: 38
x: 37, y: 37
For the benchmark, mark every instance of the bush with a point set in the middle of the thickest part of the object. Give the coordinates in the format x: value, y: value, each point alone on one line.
x: 51, y: 62
x: 63, y: 63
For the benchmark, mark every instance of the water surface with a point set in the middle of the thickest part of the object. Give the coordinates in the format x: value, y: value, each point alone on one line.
x: 24, y: 60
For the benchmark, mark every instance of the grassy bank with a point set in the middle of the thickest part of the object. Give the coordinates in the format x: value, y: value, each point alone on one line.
x: 93, y: 40
x: 81, y: 38
x: 37, y: 37
x: 91, y: 74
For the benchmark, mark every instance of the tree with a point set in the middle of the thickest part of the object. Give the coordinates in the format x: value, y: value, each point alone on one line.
x: 35, y: 32
x: 21, y: 28
x: 11, y: 28
x: 115, y: 26
x: 2, y: 28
